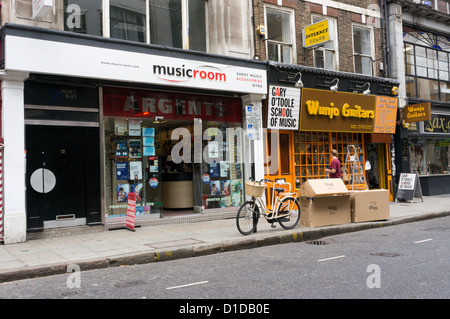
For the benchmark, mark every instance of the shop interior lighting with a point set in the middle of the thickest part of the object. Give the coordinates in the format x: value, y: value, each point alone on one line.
x: 335, y: 87
x: 159, y: 120
x: 366, y: 92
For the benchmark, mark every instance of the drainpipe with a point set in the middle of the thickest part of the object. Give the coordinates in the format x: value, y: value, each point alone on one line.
x: 385, y: 40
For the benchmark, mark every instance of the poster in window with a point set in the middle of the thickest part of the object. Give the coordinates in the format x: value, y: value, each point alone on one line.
x: 214, y: 169
x: 122, y: 192
x: 136, y: 170
x: 225, y: 201
x: 149, y: 141
x: 134, y: 128
x: 138, y: 190
x: 224, y: 169
x: 121, y: 171
x: 142, y: 210
x: 121, y: 148
x: 120, y: 126
x: 225, y: 187
x: 215, y: 188
x: 236, y: 191
x: 213, y: 149
x: 135, y: 148
x: 149, y: 151
x: 148, y: 131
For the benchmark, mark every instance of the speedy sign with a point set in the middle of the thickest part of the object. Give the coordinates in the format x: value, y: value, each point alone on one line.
x: 283, y: 108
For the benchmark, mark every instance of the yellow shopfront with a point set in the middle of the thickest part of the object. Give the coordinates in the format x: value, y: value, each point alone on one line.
x: 357, y: 126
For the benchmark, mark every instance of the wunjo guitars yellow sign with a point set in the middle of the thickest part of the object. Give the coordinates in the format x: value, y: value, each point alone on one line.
x: 318, y: 33
x: 323, y: 110
x: 417, y: 112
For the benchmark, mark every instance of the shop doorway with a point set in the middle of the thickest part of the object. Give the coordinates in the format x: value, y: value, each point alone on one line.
x: 62, y: 176
x: 280, y: 164
x: 376, y: 166
x: 176, y: 177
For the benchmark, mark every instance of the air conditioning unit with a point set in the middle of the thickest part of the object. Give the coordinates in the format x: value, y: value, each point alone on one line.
x: 41, y: 8
x: 416, y: 1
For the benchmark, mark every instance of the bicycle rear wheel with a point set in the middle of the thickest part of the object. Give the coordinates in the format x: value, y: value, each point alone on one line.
x: 288, y: 212
x: 247, y: 217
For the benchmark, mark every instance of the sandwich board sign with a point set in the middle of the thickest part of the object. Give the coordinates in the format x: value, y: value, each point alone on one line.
x: 131, y: 212
x: 409, y: 187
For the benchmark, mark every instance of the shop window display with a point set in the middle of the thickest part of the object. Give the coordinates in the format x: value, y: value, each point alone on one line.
x: 184, y: 157
x: 223, y: 170
x: 131, y: 165
x: 430, y: 156
x: 312, y: 152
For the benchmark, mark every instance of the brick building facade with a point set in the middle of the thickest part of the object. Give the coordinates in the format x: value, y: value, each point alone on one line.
x: 345, y: 13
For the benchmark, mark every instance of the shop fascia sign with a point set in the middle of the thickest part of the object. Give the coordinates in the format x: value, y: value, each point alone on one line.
x: 41, y: 8
x: 439, y: 123
x: 417, y: 112
x: 59, y: 58
x: 318, y: 33
x: 347, y: 112
x: 283, y: 108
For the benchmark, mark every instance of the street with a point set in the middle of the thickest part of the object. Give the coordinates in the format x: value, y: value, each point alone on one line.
x: 404, y: 261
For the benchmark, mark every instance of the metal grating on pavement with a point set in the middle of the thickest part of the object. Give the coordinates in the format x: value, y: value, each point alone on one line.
x: 192, y: 218
x: 174, y: 243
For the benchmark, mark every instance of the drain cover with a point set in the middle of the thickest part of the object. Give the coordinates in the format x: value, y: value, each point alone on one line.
x: 317, y: 242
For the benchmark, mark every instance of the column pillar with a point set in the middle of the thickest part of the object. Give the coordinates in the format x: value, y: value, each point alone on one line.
x: 253, y: 149
x: 13, y: 133
x: 395, y: 43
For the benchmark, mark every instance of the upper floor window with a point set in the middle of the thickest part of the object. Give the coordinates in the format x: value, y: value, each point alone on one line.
x: 83, y: 16
x: 427, y: 65
x: 127, y: 20
x: 325, y: 56
x: 363, y: 49
x: 173, y: 23
x: 178, y: 23
x: 280, y: 35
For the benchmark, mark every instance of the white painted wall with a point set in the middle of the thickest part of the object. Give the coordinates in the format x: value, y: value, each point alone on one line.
x: 13, y: 132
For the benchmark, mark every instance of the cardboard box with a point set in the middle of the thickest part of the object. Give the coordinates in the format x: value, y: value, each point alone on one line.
x: 369, y: 205
x: 323, y: 187
x: 324, y: 202
x: 324, y: 210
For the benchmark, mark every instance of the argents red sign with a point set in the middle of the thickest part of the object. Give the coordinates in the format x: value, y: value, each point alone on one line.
x: 124, y: 102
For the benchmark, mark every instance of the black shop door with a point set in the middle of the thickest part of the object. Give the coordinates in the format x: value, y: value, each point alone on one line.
x: 63, y: 176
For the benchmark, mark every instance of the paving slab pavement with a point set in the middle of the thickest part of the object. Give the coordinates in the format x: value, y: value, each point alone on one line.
x: 112, y: 248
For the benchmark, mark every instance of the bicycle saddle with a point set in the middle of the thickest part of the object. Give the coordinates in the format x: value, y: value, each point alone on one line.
x: 279, y: 190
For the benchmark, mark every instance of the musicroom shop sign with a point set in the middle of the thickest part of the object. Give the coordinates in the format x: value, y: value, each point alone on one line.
x: 283, y: 108
x: 323, y: 110
x: 106, y: 63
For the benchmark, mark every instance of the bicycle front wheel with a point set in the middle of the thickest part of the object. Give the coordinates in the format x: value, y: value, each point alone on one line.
x: 247, y: 217
x: 288, y: 213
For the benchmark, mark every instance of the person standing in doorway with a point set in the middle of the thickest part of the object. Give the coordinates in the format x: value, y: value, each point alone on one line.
x: 335, y: 167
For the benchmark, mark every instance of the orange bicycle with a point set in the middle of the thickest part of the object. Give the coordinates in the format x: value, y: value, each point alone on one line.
x: 286, y: 211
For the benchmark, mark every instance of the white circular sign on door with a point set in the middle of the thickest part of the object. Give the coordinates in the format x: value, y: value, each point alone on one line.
x: 43, y: 180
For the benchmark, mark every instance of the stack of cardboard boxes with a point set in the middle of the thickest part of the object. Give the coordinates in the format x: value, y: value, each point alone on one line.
x: 325, y: 202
